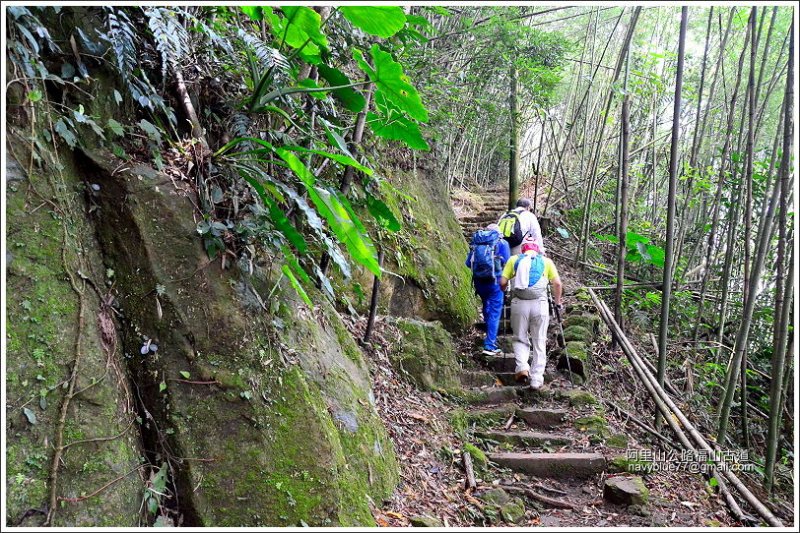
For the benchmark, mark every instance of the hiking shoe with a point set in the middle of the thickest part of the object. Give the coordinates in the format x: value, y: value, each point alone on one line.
x: 536, y: 383
x: 495, y: 351
x: 520, y: 377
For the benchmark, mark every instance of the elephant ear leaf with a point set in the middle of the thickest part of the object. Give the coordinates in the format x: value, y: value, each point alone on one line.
x: 393, y: 125
x: 389, y: 78
x: 381, y: 21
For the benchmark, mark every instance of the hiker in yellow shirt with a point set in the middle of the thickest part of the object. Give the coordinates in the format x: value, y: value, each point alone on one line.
x: 529, y: 274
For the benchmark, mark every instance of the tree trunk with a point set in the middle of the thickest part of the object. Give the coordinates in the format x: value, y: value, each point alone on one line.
x: 782, y: 305
x: 666, y: 290
x: 622, y: 247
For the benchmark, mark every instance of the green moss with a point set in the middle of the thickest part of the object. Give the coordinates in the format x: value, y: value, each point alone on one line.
x: 617, y: 440
x: 477, y: 455
x: 577, y: 333
x: 426, y: 354
x: 590, y: 322
x: 577, y: 350
x: 579, y: 398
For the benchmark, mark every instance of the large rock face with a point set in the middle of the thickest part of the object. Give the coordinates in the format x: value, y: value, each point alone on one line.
x: 425, y: 353
x: 427, y: 256
x: 263, y: 415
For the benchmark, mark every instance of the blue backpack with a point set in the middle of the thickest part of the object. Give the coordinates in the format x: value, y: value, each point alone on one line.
x: 485, y: 265
x: 537, y: 268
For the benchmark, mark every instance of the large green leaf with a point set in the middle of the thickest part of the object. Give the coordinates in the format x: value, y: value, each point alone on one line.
x: 392, y: 124
x: 254, y: 12
x: 382, y: 213
x: 302, y: 24
x: 389, y: 78
x: 382, y: 21
x: 350, y: 98
x: 397, y: 128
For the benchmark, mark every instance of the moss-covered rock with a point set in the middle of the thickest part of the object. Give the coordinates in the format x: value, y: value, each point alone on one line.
x: 514, y: 511
x: 592, y: 423
x: 577, y: 333
x: 588, y: 321
x: 280, y: 428
x: 626, y: 490
x: 428, y: 254
x: 579, y: 397
x: 46, y: 245
x: 425, y: 352
x: 577, y: 350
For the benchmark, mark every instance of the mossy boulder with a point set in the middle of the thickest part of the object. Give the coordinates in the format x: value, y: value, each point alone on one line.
x: 595, y: 425
x: 425, y: 353
x: 577, y: 350
x: 626, y: 490
x: 577, y: 333
x: 285, y: 432
x: 591, y: 321
x: 495, y: 496
x: 41, y: 337
x: 579, y: 397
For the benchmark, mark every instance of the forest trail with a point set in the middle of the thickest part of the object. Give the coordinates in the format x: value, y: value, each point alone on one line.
x: 557, y: 448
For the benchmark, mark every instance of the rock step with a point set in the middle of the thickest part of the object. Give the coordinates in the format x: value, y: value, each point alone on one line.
x: 524, y: 438
x: 554, y: 465
x: 500, y: 363
x: 491, y: 395
x: 477, y: 378
x: 541, y: 418
x: 507, y: 378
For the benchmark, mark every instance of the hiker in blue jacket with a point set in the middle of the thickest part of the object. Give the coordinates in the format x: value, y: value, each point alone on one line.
x: 488, y: 252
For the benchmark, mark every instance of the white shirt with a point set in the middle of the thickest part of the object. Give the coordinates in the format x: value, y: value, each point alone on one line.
x: 529, y: 225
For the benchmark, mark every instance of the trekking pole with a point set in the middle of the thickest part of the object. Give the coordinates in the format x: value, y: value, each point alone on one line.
x: 561, y: 341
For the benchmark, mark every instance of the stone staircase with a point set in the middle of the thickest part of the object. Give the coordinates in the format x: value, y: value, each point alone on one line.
x: 542, y: 417
x: 494, y: 206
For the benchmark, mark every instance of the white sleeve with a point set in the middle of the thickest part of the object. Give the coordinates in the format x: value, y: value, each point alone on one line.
x: 536, y: 232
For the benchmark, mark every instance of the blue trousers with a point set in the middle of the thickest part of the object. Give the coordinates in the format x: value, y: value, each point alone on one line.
x: 492, y: 297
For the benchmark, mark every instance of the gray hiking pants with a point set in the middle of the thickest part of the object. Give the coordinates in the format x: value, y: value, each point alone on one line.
x: 529, y: 319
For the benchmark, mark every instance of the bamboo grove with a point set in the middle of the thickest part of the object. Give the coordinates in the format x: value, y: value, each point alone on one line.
x: 670, y: 131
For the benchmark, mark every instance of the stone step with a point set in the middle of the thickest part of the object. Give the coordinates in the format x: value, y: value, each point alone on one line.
x: 554, y: 465
x: 524, y: 438
x: 491, y: 395
x: 507, y: 378
x: 541, y: 418
x: 489, y: 416
x: 477, y: 378
x: 500, y: 363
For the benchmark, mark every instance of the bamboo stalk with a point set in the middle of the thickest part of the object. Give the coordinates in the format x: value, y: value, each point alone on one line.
x: 668, y: 407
